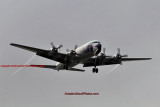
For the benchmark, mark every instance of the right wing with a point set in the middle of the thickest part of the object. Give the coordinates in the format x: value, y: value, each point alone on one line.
x: 43, y: 53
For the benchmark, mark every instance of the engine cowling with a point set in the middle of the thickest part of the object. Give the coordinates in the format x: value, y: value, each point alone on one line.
x: 72, y: 52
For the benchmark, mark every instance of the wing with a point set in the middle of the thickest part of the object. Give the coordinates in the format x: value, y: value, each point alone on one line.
x: 109, y: 61
x: 54, y: 66
x: 43, y: 53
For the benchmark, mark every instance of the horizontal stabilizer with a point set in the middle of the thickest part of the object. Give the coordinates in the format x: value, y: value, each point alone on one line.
x: 54, y: 66
x: 75, y: 69
x: 45, y: 66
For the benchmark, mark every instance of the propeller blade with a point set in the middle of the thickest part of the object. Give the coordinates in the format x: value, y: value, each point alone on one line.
x: 52, y: 45
x: 104, y: 50
x: 75, y: 47
x: 59, y: 46
x: 118, y: 50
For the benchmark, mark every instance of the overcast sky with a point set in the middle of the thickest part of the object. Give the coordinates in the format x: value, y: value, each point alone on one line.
x: 132, y: 25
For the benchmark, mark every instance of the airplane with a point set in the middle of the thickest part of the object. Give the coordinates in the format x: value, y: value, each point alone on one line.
x: 88, y: 54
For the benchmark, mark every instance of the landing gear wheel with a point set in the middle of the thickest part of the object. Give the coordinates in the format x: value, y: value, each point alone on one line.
x: 93, y: 70
x: 66, y: 67
x: 96, y: 70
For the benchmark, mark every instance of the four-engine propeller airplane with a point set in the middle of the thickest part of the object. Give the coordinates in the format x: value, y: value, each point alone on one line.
x: 88, y: 55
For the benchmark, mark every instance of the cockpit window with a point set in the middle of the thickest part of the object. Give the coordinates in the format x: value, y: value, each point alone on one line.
x: 95, y: 43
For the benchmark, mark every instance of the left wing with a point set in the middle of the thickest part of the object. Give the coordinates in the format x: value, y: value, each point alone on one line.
x: 109, y: 61
x: 43, y: 53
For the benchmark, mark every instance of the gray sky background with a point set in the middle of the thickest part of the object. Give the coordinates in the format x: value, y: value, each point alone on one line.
x: 132, y: 25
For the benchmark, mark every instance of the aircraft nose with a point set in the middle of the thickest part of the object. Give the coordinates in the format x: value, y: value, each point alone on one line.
x: 99, y: 46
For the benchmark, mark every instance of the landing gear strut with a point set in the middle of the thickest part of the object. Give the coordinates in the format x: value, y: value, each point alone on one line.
x: 66, y: 67
x: 66, y: 63
x: 95, y: 70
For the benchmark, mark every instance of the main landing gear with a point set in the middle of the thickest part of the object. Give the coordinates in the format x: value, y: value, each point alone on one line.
x: 66, y: 63
x: 95, y: 70
x: 66, y: 67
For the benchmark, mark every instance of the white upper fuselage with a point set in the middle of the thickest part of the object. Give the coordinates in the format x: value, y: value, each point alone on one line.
x: 84, y: 52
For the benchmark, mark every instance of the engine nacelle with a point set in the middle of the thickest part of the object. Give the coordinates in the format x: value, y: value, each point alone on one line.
x: 72, y: 52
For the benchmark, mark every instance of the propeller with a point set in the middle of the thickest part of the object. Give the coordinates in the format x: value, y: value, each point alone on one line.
x: 103, y: 55
x: 54, y: 48
x: 72, y: 52
x: 119, y: 56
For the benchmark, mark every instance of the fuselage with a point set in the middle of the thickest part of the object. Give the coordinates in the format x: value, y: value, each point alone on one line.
x: 84, y: 52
